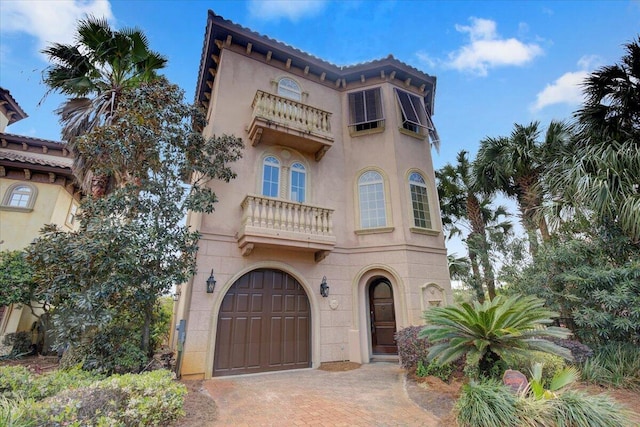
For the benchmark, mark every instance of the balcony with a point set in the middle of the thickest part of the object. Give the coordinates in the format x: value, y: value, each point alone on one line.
x: 269, y: 222
x: 282, y: 121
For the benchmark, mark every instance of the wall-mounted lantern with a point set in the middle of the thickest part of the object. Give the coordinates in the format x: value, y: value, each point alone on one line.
x: 176, y: 296
x: 324, y: 288
x: 211, y: 283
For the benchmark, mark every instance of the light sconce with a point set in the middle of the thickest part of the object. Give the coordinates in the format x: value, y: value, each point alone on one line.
x: 211, y: 283
x: 324, y: 288
x: 176, y: 296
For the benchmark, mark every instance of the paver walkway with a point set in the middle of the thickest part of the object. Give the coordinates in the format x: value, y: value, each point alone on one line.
x: 373, y: 395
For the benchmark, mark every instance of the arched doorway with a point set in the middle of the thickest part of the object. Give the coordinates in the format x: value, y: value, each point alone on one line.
x: 264, y: 325
x: 382, y: 317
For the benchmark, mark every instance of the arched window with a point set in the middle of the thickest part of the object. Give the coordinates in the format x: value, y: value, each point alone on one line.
x: 21, y: 196
x: 419, y: 201
x: 289, y: 88
x: 371, y: 198
x: 271, y: 177
x: 298, y: 182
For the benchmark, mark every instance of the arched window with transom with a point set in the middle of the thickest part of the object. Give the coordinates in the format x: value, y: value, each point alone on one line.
x: 371, y: 199
x: 298, y: 182
x: 271, y: 177
x: 289, y: 88
x: 419, y: 201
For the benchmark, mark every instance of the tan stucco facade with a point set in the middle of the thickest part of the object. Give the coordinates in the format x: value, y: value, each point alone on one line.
x: 44, y: 168
x: 350, y: 255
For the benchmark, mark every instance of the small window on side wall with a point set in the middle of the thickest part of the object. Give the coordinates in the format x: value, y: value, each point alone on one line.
x: 20, y: 197
x: 289, y: 88
x: 419, y: 201
x: 365, y: 110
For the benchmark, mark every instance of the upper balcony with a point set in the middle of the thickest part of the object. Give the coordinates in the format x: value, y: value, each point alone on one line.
x: 282, y: 121
x: 270, y: 222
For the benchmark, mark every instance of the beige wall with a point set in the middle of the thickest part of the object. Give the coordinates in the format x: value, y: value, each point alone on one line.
x: 414, y: 263
x: 19, y: 228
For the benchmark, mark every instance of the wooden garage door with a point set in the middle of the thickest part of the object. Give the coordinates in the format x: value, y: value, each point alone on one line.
x: 264, y: 325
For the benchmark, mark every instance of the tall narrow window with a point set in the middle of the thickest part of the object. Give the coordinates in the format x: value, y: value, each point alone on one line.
x: 288, y: 88
x: 419, y: 201
x: 365, y: 110
x: 270, y: 177
x: 414, y: 116
x: 371, y: 198
x: 298, y: 182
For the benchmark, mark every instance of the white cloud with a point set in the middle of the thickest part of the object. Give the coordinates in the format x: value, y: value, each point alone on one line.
x: 567, y: 89
x: 50, y: 21
x: 426, y: 59
x: 289, y: 9
x: 487, y: 50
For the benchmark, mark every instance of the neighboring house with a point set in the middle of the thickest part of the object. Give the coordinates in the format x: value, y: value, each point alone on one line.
x: 336, y: 187
x: 36, y: 188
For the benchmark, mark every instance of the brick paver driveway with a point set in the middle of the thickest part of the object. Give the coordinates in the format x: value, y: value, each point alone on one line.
x: 373, y: 395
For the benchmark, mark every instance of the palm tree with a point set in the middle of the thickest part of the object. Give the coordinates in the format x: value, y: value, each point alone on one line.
x: 490, y: 331
x: 602, y: 171
x: 461, y: 201
x: 514, y: 166
x: 93, y: 72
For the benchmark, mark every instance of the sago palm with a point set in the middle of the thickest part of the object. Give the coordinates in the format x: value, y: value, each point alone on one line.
x: 93, y: 72
x: 490, y: 331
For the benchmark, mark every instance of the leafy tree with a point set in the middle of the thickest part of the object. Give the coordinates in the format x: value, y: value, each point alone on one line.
x: 488, y: 332
x: 132, y: 245
x: 592, y: 279
x: 16, y: 281
x: 514, y: 166
x: 94, y: 72
x: 601, y: 171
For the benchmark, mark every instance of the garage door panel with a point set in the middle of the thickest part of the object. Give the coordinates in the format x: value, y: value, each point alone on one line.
x: 275, y: 343
x: 264, y: 325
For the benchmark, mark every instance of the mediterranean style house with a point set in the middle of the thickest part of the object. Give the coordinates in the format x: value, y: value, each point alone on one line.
x: 36, y: 188
x: 330, y: 239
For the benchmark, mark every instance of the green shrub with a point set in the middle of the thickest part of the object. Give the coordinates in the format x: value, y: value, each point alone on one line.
x: 434, y: 369
x: 487, y: 403
x: 577, y: 409
x: 149, y: 399
x: 19, y: 382
x: 614, y: 365
x: 551, y: 364
x: 411, y: 348
x: 14, y: 413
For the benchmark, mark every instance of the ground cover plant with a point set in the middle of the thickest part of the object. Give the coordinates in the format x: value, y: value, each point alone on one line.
x: 80, y: 398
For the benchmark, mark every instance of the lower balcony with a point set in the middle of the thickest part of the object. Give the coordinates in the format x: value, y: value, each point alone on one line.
x: 269, y: 222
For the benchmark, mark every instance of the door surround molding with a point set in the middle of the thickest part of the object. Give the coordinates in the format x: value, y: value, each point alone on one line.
x: 360, y: 313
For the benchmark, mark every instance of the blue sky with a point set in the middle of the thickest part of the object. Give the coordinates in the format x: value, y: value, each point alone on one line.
x: 497, y: 63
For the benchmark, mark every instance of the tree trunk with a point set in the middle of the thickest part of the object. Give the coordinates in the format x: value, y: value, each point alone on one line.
x: 476, y: 279
x: 146, y: 330
x: 480, y: 236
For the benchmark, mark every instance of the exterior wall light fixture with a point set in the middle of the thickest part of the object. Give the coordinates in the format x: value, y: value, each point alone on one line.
x: 176, y: 296
x: 211, y: 283
x: 324, y: 288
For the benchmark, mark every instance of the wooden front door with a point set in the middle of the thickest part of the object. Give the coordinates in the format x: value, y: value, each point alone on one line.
x: 383, y: 318
x: 264, y: 325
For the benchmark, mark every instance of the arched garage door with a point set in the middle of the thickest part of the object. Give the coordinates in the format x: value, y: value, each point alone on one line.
x: 264, y: 325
